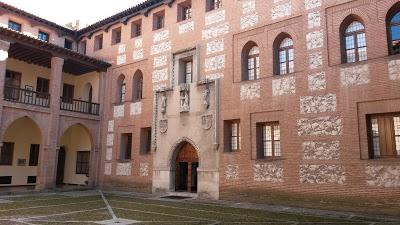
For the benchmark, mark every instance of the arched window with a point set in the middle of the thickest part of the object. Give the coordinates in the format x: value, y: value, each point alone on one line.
x: 121, y: 90
x: 393, y: 29
x: 138, y: 86
x: 251, y: 62
x: 285, y: 57
x: 354, y: 43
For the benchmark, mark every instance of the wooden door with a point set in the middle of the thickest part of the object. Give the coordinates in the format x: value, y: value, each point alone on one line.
x: 60, y: 166
x: 386, y: 136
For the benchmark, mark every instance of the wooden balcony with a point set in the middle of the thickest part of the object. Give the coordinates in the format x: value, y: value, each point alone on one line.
x: 74, y: 105
x: 24, y: 96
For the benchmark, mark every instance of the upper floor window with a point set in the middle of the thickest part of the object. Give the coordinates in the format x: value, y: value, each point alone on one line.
x: 136, y: 28
x: 126, y: 146
x: 145, y: 140
x: 393, y: 28
x: 251, y: 61
x: 138, y: 86
x: 213, y: 4
x: 384, y: 136
x: 354, y: 43
x: 268, y: 140
x: 121, y: 89
x: 43, y: 36
x: 14, y: 26
x: 98, y: 42
x: 159, y: 20
x: 284, y: 56
x: 116, y: 36
x: 68, y: 44
x: 186, y: 71
x: 82, y: 47
x: 185, y: 11
x: 232, y: 135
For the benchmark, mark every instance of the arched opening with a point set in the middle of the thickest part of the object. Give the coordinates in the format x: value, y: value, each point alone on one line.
x: 393, y: 29
x: 73, y: 157
x: 19, y: 156
x: 138, y: 86
x: 353, y: 40
x: 250, y: 61
x: 185, y: 163
x: 283, y: 54
x: 121, y: 89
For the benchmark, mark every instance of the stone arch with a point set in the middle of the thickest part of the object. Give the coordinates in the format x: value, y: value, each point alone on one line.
x: 276, y: 47
x: 121, y: 81
x: 89, y: 129
x: 137, y: 86
x: 14, y: 116
x: 245, y: 56
x: 176, y: 147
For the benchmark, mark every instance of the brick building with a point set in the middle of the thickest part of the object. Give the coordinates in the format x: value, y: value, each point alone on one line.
x: 213, y: 97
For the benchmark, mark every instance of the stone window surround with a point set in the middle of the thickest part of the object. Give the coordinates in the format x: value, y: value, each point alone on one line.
x: 264, y: 117
x: 119, y: 131
x: 370, y: 108
x: 178, y: 57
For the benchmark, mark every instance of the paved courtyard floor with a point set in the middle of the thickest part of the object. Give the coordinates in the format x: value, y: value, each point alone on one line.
x: 90, y: 207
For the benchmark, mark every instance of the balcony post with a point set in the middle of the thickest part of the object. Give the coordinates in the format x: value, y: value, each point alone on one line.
x: 48, y: 170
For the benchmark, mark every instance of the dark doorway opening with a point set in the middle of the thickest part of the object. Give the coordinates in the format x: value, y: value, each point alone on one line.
x: 186, y: 166
x: 60, y: 166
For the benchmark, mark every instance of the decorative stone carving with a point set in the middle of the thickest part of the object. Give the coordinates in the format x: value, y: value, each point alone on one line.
x: 163, y: 104
x: 394, y: 70
x: 248, y: 21
x: 214, y: 76
x: 250, y: 91
x: 107, y: 169
x: 160, y: 48
x: 214, y: 17
x: 311, y: 4
x: 327, y: 125
x: 284, y: 86
x: 136, y: 108
x: 160, y: 75
x: 315, y: 60
x: 232, y: 172
x: 315, y: 40
x: 186, y: 27
x: 138, y: 54
x: 321, y: 150
x: 110, y: 126
x: 110, y: 140
x: 383, y: 176
x: 121, y: 49
x: 268, y: 172
x: 215, y: 31
x: 215, y: 63
x: 163, y: 124
x: 109, y: 153
x: 215, y: 46
x: 317, y: 81
x: 144, y: 169
x: 184, y: 98
x: 124, y: 169
x: 206, y: 97
x: 281, y: 10
x: 161, y: 36
x: 207, y: 122
x: 138, y: 43
x: 160, y: 61
x: 248, y: 6
x: 322, y: 174
x: 314, y: 20
x: 356, y: 75
x: 318, y: 104
x: 121, y: 59
x: 119, y: 111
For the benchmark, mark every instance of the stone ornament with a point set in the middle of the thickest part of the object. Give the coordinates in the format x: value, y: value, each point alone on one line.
x: 268, y: 172
x: 318, y: 104
x: 321, y: 150
x: 317, y: 81
x: 207, y: 122
x: 232, y: 172
x: 284, y: 86
x: 144, y: 169
x: 124, y: 169
x: 164, y: 104
x: 383, y: 176
x: 250, y: 91
x: 163, y: 126
x: 355, y: 75
x: 394, y: 70
x: 206, y: 97
x: 320, y: 126
x: 322, y: 174
x: 185, y: 98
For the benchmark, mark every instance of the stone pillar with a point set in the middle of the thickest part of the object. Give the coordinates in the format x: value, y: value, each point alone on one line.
x: 4, y: 46
x: 48, y: 166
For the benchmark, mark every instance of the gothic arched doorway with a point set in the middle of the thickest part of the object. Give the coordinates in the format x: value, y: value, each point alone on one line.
x: 186, y: 164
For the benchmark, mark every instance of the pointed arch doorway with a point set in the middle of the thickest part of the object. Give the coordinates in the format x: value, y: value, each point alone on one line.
x: 186, y: 164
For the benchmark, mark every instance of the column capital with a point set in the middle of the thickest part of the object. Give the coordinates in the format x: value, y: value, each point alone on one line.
x: 57, y: 61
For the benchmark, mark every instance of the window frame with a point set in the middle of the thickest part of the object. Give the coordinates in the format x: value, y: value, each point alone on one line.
x: 34, y: 153
x: 136, y: 28
x: 389, y: 24
x: 43, y: 34
x: 145, y: 140
x: 82, y: 166
x: 42, y: 87
x: 11, y: 23
x: 286, y: 49
x: 68, y: 42
x: 262, y: 140
x: 184, y: 11
x: 159, y: 20
x: 126, y: 154
x: 229, y: 137
x: 137, y: 87
x: 116, y: 36
x: 213, y: 5
x: 10, y: 158
x: 354, y: 35
x: 98, y: 42
x: 255, y: 58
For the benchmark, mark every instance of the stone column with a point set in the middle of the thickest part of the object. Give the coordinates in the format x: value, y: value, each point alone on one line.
x: 48, y: 166
x: 4, y: 46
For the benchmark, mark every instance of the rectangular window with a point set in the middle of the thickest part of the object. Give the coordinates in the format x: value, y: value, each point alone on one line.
x: 123, y: 93
x: 82, y: 162
x: 98, y: 42
x: 12, y: 83
x: 14, y: 26
x: 68, y: 93
x: 159, y: 20
x: 126, y: 146
x: 384, y: 136
x: 6, y: 154
x: 136, y: 28
x: 116, y: 36
x: 184, y: 11
x: 43, y: 36
x: 145, y: 140
x: 268, y: 140
x: 34, y: 155
x: 68, y: 44
x: 213, y: 4
x: 5, y: 180
x: 232, y: 135
x: 82, y: 47
x: 31, y: 180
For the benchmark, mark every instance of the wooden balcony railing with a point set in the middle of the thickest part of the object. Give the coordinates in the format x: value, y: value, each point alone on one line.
x: 24, y: 96
x: 74, y: 105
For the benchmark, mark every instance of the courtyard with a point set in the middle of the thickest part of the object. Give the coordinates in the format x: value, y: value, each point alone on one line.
x: 89, y: 207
